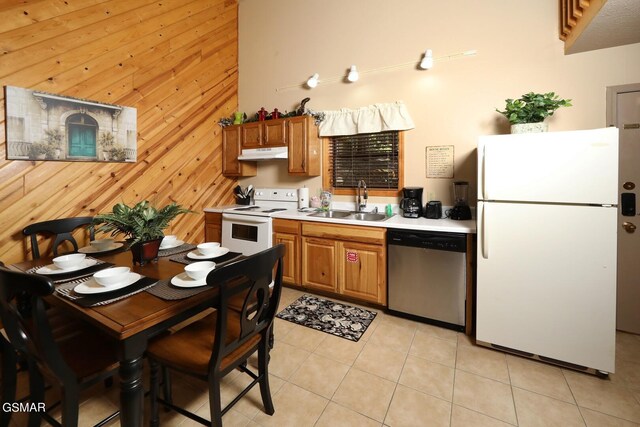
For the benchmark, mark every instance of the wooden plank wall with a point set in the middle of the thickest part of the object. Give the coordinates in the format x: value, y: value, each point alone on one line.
x: 176, y: 61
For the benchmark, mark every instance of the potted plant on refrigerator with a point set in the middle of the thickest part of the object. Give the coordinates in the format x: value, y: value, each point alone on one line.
x: 142, y: 225
x: 527, y: 113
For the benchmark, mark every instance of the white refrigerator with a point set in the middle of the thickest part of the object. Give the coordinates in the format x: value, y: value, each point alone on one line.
x: 546, y: 269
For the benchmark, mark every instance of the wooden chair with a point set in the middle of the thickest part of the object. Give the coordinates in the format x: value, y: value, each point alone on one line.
x: 70, y: 355
x: 212, y: 347
x: 61, y: 228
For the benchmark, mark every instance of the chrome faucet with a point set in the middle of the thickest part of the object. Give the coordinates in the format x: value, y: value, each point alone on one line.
x: 360, y: 206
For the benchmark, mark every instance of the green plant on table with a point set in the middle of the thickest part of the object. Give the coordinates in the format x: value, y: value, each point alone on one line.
x: 533, y: 107
x: 139, y: 223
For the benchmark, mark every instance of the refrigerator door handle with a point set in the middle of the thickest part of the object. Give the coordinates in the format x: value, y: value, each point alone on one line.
x: 483, y: 173
x: 482, y: 214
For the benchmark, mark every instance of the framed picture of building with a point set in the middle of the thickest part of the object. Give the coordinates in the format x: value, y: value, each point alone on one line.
x: 44, y: 126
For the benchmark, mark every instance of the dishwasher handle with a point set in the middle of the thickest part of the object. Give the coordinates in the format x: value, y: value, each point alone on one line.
x: 453, y: 242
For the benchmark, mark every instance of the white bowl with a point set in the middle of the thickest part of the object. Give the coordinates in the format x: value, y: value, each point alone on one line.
x: 101, y: 244
x: 111, y: 276
x: 208, y: 248
x: 66, y: 262
x: 169, y: 240
x: 199, y: 270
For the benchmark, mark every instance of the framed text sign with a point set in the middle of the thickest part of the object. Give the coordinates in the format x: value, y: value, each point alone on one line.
x: 44, y: 126
x: 439, y: 161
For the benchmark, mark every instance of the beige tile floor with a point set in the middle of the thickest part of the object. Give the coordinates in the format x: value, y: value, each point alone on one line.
x: 403, y: 373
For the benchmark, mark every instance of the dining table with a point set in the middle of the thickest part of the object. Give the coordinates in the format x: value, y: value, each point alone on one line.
x: 133, y: 320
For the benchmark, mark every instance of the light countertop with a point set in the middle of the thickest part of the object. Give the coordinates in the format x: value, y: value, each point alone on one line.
x: 396, y: 221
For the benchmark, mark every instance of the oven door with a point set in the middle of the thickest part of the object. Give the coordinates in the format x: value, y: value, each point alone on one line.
x: 245, y: 233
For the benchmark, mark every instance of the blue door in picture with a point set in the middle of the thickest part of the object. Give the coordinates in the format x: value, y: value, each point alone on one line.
x: 82, y: 131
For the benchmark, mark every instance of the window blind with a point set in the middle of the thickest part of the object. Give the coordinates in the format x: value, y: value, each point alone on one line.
x: 369, y: 156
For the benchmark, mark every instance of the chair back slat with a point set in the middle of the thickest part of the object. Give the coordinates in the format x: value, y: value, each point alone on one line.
x: 61, y: 228
x: 249, y: 278
x: 30, y: 333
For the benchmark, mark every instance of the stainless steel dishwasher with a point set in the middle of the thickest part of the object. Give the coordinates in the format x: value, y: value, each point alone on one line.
x: 427, y: 276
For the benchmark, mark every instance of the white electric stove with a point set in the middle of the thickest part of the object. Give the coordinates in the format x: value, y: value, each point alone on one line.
x: 249, y: 229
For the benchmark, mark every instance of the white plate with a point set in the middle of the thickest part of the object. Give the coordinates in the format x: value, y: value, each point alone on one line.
x: 182, y: 280
x: 52, y: 269
x: 92, y: 250
x: 92, y: 287
x: 197, y: 255
x: 171, y: 246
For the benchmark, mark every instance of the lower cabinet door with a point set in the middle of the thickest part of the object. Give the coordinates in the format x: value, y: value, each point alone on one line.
x: 290, y: 268
x: 362, y: 271
x: 318, y: 264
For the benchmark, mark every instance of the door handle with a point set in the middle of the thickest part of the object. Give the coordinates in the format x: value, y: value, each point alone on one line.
x: 484, y: 175
x: 629, y: 227
x: 484, y: 242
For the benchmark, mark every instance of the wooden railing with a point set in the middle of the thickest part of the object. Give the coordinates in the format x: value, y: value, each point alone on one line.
x: 575, y: 16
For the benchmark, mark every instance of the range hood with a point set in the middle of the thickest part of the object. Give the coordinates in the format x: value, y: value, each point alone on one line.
x: 264, y: 153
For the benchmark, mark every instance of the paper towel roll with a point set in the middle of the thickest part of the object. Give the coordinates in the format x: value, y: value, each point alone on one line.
x: 303, y: 197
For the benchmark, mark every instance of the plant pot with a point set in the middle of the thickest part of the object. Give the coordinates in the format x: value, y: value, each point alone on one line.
x: 529, y: 127
x: 143, y: 252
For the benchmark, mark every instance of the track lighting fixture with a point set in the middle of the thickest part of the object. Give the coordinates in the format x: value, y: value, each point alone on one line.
x: 313, y: 81
x: 427, y: 61
x: 353, y: 74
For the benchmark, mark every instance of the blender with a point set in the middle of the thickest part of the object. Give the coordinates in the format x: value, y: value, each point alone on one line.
x: 460, y: 210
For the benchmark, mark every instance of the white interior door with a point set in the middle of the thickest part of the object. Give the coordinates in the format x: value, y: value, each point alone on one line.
x: 627, y: 108
x: 546, y: 281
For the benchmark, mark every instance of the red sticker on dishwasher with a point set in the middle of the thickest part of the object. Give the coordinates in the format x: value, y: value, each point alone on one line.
x: 352, y: 256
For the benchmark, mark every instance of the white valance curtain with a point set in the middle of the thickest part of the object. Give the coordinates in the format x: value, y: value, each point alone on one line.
x: 374, y: 118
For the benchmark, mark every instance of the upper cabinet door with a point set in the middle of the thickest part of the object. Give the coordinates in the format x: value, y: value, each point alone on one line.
x: 304, y: 146
x: 231, y: 148
x: 252, y: 135
x: 274, y: 133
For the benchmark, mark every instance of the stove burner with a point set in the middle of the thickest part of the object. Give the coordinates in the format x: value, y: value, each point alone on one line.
x: 247, y: 208
x: 274, y: 210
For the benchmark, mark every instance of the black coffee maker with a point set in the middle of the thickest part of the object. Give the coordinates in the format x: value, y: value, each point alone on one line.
x: 411, y: 204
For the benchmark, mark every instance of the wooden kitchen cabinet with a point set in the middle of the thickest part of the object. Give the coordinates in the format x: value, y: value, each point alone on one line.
x: 318, y: 264
x: 231, y: 149
x: 268, y: 133
x: 287, y: 232
x: 345, y: 260
x: 362, y: 271
x: 304, y: 146
x: 300, y: 134
x: 212, y: 227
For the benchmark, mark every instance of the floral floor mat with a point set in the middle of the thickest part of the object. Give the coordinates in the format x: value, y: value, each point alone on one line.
x: 335, y: 318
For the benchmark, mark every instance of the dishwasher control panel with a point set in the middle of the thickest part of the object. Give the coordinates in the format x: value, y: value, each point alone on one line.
x: 454, y: 242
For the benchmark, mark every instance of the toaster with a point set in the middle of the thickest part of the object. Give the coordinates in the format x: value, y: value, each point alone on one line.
x: 433, y: 210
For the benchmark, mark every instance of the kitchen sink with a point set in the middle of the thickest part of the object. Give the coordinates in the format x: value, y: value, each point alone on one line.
x: 367, y: 216
x: 360, y: 216
x: 331, y: 214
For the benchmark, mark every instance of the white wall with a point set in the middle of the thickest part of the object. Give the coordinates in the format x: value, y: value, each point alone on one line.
x: 283, y: 42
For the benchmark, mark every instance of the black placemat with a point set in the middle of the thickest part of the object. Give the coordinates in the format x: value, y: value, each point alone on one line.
x: 178, y: 249
x: 108, y: 297
x: 73, y: 275
x: 183, y: 259
x: 166, y: 291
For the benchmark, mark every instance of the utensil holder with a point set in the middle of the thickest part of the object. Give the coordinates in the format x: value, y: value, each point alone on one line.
x: 243, y: 200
